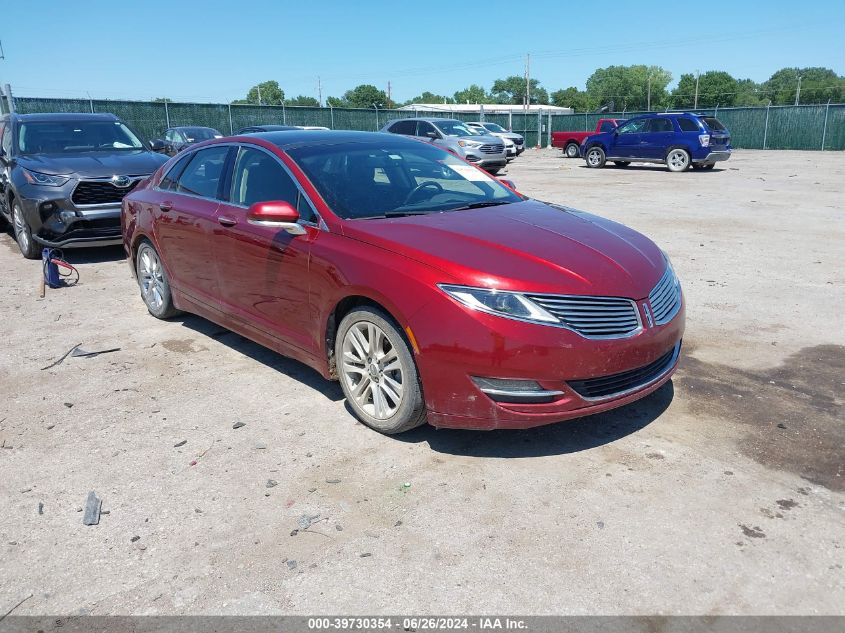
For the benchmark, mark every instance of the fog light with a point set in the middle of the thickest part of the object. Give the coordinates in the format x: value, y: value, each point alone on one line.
x: 66, y: 217
x: 515, y: 391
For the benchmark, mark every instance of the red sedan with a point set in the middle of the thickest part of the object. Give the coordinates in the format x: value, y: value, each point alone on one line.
x: 431, y: 290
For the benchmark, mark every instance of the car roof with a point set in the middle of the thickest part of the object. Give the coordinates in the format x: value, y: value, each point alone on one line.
x: 66, y: 116
x: 429, y: 119
x: 192, y: 127
x: 295, y: 138
x: 269, y: 128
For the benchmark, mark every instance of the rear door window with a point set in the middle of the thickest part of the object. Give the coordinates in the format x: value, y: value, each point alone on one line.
x: 408, y: 128
x: 202, y: 175
x: 688, y: 125
x: 660, y: 124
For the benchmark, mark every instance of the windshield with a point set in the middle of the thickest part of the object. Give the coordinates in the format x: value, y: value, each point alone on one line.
x: 200, y: 133
x: 58, y: 137
x: 494, y: 127
x: 456, y: 128
x: 714, y: 124
x: 382, y: 178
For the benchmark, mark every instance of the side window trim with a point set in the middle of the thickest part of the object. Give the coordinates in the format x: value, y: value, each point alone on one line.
x: 320, y: 224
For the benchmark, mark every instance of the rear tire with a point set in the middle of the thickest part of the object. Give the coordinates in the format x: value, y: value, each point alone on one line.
x: 377, y: 372
x: 677, y: 160
x: 23, y: 234
x: 708, y: 166
x: 621, y: 163
x: 571, y: 150
x: 153, y: 282
x: 595, y: 157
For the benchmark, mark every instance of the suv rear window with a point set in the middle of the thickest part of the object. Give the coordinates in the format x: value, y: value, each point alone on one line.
x: 714, y: 124
x: 688, y: 125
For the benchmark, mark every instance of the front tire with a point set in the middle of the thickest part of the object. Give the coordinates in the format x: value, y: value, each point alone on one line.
x: 153, y: 282
x: 23, y: 234
x: 678, y: 160
x: 595, y: 157
x: 571, y: 150
x: 377, y: 372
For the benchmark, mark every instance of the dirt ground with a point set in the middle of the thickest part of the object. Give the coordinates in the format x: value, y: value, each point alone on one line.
x: 722, y: 493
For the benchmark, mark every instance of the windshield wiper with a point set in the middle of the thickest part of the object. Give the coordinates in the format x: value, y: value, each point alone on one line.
x: 481, y: 205
x: 400, y: 214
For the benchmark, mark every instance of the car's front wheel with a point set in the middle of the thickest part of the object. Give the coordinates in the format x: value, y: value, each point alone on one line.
x: 595, y: 157
x: 152, y: 279
x: 377, y: 372
x: 23, y: 234
x: 678, y: 160
x: 572, y: 150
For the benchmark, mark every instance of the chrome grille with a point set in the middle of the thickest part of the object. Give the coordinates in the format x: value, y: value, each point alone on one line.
x: 593, y: 317
x: 490, y: 148
x: 100, y: 192
x: 665, y: 299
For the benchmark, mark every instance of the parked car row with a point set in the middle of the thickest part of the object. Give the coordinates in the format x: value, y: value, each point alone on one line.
x: 680, y: 140
x: 397, y: 266
x: 178, y: 138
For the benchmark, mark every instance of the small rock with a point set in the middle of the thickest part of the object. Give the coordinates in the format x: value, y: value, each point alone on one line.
x: 781, y: 425
x: 197, y: 510
x: 40, y: 508
x: 291, y: 564
x: 366, y: 555
x: 294, y: 532
x: 338, y: 527
x: 398, y: 523
x: 600, y: 524
x: 13, y: 542
x: 135, y: 538
x: 108, y: 512
x: 238, y: 425
x: 307, y: 454
x: 272, y: 483
x: 312, y: 490
x: 50, y: 427
x: 68, y: 404
x: 261, y: 447
x: 26, y: 490
x: 332, y: 481
x: 141, y: 546
x: 79, y: 509
x: 729, y: 472
x: 407, y: 484
x: 181, y: 443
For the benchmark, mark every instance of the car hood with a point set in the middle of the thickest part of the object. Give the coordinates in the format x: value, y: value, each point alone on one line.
x: 529, y: 246
x: 95, y: 164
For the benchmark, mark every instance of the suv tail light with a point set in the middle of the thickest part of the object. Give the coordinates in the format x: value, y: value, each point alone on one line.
x: 704, y: 139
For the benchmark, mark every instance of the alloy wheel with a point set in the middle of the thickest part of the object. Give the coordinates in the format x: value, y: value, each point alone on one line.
x: 373, y: 370
x: 151, y: 277
x: 21, y: 234
x: 594, y: 158
x: 678, y: 160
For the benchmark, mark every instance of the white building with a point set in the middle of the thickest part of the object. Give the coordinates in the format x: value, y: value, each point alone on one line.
x: 489, y: 108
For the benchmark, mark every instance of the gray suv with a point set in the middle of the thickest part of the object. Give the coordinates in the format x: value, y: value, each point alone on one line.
x: 488, y: 152
x: 63, y: 177
x: 494, y: 129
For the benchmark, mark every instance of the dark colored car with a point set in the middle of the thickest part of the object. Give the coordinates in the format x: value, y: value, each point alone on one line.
x: 679, y: 140
x: 428, y: 288
x: 63, y: 176
x: 178, y: 138
x: 252, y: 129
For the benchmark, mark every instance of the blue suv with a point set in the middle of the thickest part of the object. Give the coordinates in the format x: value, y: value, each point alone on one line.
x: 679, y: 140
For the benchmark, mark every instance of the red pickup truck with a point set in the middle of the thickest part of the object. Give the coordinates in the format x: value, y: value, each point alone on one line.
x: 570, y: 142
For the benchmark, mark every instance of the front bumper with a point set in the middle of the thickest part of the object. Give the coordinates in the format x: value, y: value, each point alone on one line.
x: 57, y: 223
x: 486, y: 161
x: 457, y: 344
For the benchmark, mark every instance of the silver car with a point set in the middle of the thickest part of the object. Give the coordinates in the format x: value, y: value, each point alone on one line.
x: 494, y: 129
x: 488, y: 152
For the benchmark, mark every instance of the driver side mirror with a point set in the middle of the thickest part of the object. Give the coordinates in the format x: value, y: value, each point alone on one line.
x: 157, y: 145
x: 432, y: 135
x: 275, y: 214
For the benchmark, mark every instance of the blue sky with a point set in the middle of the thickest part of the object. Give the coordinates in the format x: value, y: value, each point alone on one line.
x: 214, y: 51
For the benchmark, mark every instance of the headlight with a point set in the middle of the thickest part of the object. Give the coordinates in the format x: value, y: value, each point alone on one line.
x: 499, y: 302
x: 472, y: 144
x: 35, y: 178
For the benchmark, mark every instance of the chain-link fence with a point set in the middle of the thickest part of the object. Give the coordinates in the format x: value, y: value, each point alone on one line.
x: 777, y: 127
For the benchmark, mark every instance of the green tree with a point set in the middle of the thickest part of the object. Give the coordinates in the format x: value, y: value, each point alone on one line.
x: 473, y: 94
x: 365, y: 96
x: 302, y: 100
x: 271, y: 94
x: 572, y: 98
x: 715, y: 88
x: 750, y: 93
x: 512, y: 90
x: 817, y: 86
x: 336, y: 102
x: 429, y: 97
x: 162, y: 100
x: 627, y: 87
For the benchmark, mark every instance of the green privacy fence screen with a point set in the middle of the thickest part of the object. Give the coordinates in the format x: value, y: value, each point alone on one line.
x: 780, y: 127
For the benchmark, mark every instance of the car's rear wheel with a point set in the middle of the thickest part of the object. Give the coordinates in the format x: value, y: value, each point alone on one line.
x: 571, y: 150
x: 153, y: 282
x: 708, y: 165
x: 377, y: 372
x: 621, y: 163
x: 595, y: 157
x: 678, y: 159
x: 23, y: 234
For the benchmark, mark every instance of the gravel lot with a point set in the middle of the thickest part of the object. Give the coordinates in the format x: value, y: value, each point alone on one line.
x: 722, y: 493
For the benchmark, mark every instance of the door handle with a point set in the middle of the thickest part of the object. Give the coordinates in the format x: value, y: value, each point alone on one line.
x: 165, y: 206
x: 226, y: 221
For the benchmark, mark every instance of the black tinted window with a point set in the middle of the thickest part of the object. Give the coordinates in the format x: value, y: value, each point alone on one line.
x: 203, y: 173
x: 607, y: 126
x: 259, y: 177
x: 168, y: 183
x: 424, y: 128
x: 688, y: 125
x: 408, y: 128
x: 660, y: 125
x: 7, y: 139
x: 714, y: 124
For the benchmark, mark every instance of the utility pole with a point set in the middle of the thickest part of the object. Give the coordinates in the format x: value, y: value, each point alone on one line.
x: 798, y: 92
x: 319, y: 92
x: 527, y: 82
x: 695, y: 105
x: 388, y: 94
x: 259, y: 93
x: 648, y: 107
